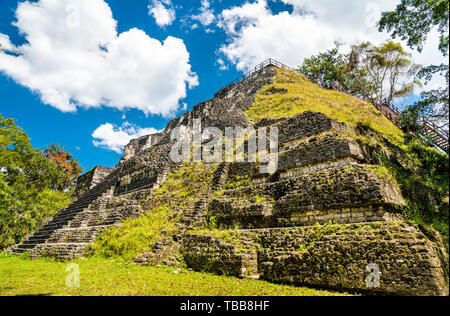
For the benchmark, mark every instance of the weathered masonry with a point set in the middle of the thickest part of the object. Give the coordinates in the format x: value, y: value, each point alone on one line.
x: 320, y: 220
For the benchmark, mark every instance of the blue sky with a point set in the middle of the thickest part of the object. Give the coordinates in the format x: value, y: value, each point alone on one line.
x: 69, y: 75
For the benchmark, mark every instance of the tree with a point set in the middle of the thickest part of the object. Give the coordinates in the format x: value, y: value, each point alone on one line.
x: 388, y: 69
x: 32, y: 187
x: 435, y: 103
x: 325, y: 66
x: 371, y: 72
x: 413, y: 20
x: 68, y: 165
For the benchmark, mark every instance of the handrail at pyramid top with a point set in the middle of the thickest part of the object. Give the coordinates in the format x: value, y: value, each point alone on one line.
x: 267, y: 62
x: 273, y: 62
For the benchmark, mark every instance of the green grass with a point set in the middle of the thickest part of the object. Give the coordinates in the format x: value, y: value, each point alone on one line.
x: 303, y: 95
x: 20, y: 276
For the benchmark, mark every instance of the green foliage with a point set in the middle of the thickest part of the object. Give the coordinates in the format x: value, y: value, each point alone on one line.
x: 163, y: 210
x: 381, y: 172
x: 211, y: 223
x: 67, y: 164
x: 381, y: 73
x: 238, y: 182
x: 434, y: 104
x: 422, y: 173
x: 327, y: 66
x: 374, y: 73
x: 31, y: 189
x: 413, y: 20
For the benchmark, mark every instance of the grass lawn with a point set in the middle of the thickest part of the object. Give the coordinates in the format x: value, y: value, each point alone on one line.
x: 20, y: 276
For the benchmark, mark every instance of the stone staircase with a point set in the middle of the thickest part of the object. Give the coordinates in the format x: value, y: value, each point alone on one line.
x: 196, y: 217
x: 220, y: 176
x: 72, y: 229
x: 71, y: 241
x: 68, y: 233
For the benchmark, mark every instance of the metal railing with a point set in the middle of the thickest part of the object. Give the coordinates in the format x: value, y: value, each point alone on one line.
x: 267, y: 62
x: 432, y: 132
x: 435, y: 134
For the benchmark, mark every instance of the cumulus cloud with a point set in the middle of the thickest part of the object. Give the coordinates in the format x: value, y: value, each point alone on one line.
x: 74, y: 57
x: 114, y: 138
x: 255, y: 33
x: 206, y: 14
x: 6, y: 44
x: 162, y: 11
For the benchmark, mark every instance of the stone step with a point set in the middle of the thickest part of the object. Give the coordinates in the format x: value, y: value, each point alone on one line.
x: 76, y: 235
x: 63, y: 218
x: 90, y: 216
x: 61, y: 251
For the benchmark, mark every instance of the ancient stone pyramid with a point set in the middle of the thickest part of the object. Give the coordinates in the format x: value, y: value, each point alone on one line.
x: 270, y: 221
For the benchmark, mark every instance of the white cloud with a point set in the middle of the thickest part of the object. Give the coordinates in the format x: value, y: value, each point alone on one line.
x: 255, y: 33
x: 222, y: 64
x: 74, y: 57
x: 6, y: 44
x: 162, y: 11
x: 114, y: 138
x: 206, y: 15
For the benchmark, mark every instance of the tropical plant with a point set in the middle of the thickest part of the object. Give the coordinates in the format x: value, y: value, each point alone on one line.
x: 32, y: 187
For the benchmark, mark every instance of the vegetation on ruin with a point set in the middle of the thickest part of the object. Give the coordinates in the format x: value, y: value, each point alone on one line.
x: 378, y: 74
x: 312, y: 234
x: 163, y: 210
x: 99, y: 276
x: 420, y: 169
x: 303, y: 95
x: 422, y: 174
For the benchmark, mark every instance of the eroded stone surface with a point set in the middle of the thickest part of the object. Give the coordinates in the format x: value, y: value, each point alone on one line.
x: 331, y: 256
x: 266, y: 223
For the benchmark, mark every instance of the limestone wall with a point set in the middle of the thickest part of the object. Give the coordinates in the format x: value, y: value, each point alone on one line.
x: 303, y: 125
x: 408, y: 262
x: 332, y: 256
x: 205, y: 253
x: 140, y: 144
x: 89, y: 180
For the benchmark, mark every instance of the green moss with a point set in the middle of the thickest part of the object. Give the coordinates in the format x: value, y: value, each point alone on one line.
x: 238, y: 182
x: 303, y: 95
x: 381, y: 172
